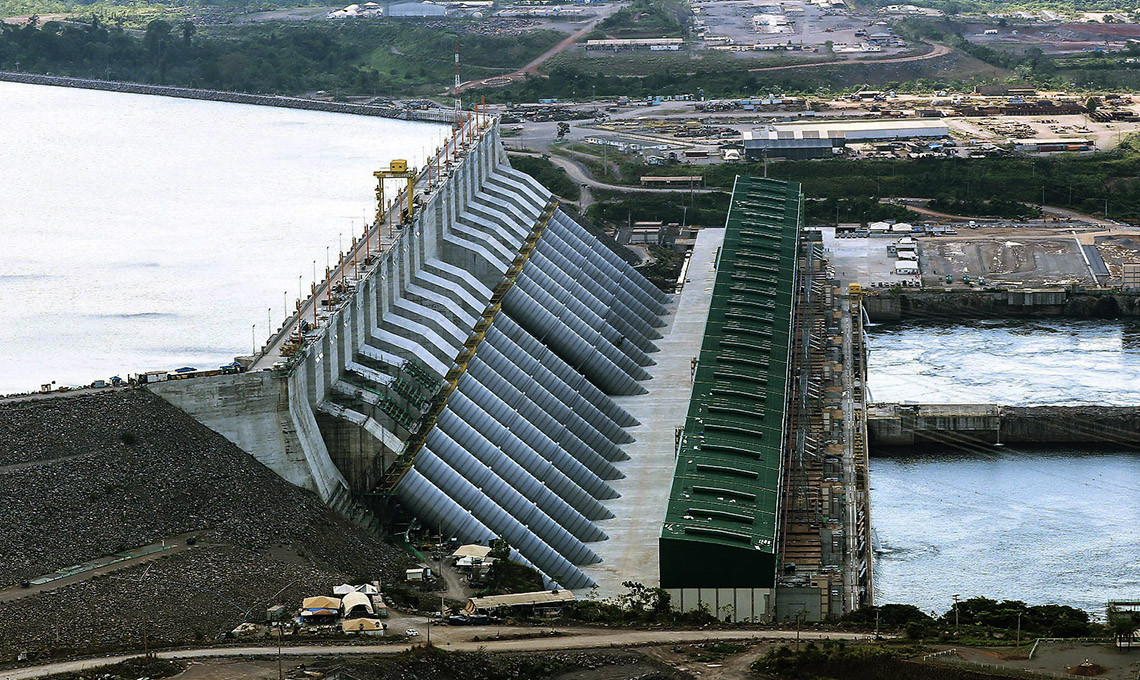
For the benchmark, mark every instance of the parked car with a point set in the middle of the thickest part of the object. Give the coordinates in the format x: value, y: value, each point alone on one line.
x: 412, y: 632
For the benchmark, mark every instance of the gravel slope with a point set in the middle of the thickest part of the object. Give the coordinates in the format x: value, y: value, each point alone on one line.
x: 100, y: 473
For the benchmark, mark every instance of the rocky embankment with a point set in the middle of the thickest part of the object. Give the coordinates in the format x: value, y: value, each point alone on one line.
x: 87, y: 476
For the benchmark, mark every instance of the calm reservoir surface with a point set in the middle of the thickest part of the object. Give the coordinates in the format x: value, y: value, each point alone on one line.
x: 141, y: 232
x: 1037, y: 524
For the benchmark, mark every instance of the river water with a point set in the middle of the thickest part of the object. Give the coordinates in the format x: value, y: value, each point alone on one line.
x: 141, y: 232
x: 1038, y: 524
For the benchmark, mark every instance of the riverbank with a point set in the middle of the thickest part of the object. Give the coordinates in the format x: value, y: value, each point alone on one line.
x: 386, y: 111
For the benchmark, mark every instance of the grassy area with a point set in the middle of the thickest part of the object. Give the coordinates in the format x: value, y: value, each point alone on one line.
x: 426, y: 55
x: 548, y: 174
x: 615, y: 208
x: 646, y: 19
x: 627, y: 64
x: 977, y: 208
x: 579, y: 77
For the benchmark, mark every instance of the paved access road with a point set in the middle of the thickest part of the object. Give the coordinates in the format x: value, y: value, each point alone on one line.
x: 453, y: 639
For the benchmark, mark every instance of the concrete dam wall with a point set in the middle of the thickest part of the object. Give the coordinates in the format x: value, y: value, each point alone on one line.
x: 973, y: 424
x: 1041, y: 303
x: 387, y: 111
x: 468, y: 373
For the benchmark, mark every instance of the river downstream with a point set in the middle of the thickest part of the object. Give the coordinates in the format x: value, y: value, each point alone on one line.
x: 142, y: 232
x: 1036, y: 524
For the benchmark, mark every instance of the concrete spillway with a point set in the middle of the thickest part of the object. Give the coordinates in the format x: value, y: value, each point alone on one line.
x: 469, y: 373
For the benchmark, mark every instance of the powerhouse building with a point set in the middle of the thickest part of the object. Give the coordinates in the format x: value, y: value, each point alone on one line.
x: 719, y: 544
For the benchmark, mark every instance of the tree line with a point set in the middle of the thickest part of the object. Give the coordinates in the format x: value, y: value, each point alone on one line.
x: 382, y: 58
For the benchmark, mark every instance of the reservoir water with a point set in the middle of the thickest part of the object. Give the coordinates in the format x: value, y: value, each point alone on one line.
x: 141, y: 232
x: 1036, y: 524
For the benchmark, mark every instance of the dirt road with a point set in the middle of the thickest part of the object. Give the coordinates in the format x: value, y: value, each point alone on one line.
x: 938, y: 51
x: 105, y: 565
x: 579, y: 175
x: 454, y: 639
x: 532, y: 67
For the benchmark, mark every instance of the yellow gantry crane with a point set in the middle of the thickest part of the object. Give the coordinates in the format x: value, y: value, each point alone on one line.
x: 397, y: 169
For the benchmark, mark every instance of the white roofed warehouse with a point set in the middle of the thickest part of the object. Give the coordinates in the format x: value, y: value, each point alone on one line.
x: 841, y: 132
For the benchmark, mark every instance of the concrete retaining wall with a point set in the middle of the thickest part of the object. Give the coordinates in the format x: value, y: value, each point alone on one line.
x: 973, y: 424
x: 1118, y: 425
x: 1041, y: 303
x: 426, y: 115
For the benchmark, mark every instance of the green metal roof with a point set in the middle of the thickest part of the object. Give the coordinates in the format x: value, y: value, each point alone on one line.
x: 725, y: 494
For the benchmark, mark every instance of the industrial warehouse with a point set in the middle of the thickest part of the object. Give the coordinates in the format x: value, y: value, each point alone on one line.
x: 796, y: 141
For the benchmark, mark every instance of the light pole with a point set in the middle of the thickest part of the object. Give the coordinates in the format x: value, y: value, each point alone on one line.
x: 253, y: 337
x: 1018, y: 631
x: 956, y: 597
x: 280, y: 672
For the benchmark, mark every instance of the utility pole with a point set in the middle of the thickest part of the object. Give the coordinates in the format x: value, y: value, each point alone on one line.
x: 253, y: 337
x: 956, y: 596
x: 280, y: 672
x: 1018, y: 631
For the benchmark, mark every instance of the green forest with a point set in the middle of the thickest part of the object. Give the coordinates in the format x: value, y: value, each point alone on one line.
x: 1089, y: 183
x: 384, y: 58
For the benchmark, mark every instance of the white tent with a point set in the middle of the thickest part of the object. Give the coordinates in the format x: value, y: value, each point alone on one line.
x: 354, y: 601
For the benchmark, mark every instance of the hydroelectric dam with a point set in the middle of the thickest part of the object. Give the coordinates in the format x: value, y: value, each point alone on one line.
x: 480, y: 364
